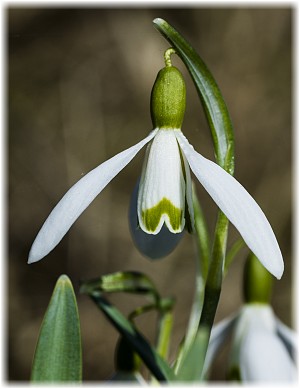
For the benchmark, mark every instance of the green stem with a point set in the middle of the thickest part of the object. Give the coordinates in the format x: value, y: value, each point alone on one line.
x: 167, y: 56
x: 232, y: 253
x: 164, y: 332
x: 215, y: 276
x: 202, y: 265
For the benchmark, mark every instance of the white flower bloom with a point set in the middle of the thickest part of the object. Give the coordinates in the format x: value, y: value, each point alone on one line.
x: 165, y: 195
x: 263, y: 348
x: 162, y: 194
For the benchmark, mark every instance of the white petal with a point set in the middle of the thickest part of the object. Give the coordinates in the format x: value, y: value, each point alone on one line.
x: 264, y: 358
x: 260, y: 315
x: 258, y: 351
x: 152, y: 246
x: 161, y: 197
x: 78, y: 198
x: 240, y: 208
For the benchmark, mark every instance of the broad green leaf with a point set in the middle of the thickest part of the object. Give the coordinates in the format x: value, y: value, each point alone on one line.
x: 158, y: 367
x: 209, y: 93
x: 58, y: 352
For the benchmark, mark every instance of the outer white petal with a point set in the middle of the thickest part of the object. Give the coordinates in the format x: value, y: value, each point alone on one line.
x: 162, y: 186
x: 240, y: 208
x: 257, y: 349
x: 152, y: 246
x: 78, y: 198
x: 264, y: 358
x: 250, y: 315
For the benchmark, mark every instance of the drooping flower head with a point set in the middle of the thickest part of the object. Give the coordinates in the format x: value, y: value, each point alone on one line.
x: 165, y: 192
x: 263, y: 349
x: 164, y: 195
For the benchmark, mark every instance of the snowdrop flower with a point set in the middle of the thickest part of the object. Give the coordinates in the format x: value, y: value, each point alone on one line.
x: 263, y: 348
x: 165, y: 195
x: 259, y: 346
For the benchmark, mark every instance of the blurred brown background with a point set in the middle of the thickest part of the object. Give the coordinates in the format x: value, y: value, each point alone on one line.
x: 79, y: 83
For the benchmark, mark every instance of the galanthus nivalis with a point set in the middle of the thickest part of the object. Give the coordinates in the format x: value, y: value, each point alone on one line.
x: 165, y: 191
x: 263, y: 348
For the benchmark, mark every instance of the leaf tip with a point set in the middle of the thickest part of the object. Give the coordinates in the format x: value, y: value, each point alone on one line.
x: 159, y: 21
x: 64, y: 280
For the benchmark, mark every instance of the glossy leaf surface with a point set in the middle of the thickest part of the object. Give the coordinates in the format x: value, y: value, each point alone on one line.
x: 58, y: 352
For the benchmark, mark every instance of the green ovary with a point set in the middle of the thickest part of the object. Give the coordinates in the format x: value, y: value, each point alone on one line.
x: 151, y: 217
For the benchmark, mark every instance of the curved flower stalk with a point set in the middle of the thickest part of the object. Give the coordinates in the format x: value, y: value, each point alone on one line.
x: 165, y: 192
x: 263, y: 348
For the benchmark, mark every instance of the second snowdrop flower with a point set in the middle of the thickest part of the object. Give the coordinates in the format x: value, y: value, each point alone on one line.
x: 165, y: 193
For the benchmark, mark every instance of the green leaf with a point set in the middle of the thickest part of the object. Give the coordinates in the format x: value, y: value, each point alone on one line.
x: 58, y: 352
x: 191, y: 367
x: 232, y: 253
x: 133, y: 282
x: 130, y: 282
x: 158, y: 367
x: 212, y: 100
x: 126, y: 360
x: 202, y: 265
x: 164, y: 329
x: 202, y: 235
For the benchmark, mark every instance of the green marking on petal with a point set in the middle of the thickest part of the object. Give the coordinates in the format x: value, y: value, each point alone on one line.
x: 152, y: 216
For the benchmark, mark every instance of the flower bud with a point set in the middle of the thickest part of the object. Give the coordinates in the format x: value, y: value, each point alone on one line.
x: 257, y: 282
x: 168, y: 99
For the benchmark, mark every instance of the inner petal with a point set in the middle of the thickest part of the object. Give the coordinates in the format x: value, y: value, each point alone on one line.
x: 161, y: 196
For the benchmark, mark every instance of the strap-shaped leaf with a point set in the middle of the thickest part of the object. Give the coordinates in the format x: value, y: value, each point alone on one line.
x: 130, y: 282
x: 158, y: 367
x: 209, y: 93
x: 139, y: 283
x: 58, y: 352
